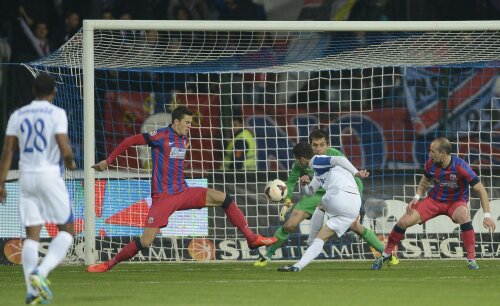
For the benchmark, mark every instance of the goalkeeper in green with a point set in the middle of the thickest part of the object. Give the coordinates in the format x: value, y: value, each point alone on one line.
x: 305, y: 208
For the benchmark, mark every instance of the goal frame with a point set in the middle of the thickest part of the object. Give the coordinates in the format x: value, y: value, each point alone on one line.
x: 89, y: 26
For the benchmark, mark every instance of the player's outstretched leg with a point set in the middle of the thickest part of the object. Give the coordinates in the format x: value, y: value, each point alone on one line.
x: 289, y: 268
x: 129, y: 251
x: 99, y: 268
x: 41, y: 284
x: 396, y: 235
x: 237, y: 218
x: 281, y: 235
x: 369, y: 236
x: 261, y: 241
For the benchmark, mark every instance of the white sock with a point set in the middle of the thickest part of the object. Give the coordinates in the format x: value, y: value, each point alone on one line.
x: 317, y: 220
x: 30, y: 261
x: 311, y: 253
x: 56, y: 253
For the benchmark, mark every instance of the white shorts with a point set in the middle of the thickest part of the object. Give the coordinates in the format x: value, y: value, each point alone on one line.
x: 43, y: 198
x: 342, y: 209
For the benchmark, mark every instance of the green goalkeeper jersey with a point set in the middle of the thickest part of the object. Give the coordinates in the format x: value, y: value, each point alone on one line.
x: 298, y: 171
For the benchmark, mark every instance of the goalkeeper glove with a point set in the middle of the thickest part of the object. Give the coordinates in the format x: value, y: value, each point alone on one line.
x: 287, y: 205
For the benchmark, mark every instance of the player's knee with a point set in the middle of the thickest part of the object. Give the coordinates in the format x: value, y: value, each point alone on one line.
x: 409, y: 220
x: 404, y: 223
x: 461, y: 216
x: 227, y: 201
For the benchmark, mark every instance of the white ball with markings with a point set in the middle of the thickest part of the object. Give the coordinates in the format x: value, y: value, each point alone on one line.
x: 276, y: 190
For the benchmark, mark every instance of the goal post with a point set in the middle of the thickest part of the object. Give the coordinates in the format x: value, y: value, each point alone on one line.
x: 89, y: 142
x: 382, y: 96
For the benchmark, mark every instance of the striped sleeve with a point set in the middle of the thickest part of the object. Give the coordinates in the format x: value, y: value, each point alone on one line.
x: 427, y: 169
x: 465, y: 171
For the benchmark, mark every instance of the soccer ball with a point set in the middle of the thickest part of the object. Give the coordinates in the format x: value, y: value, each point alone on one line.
x: 276, y: 190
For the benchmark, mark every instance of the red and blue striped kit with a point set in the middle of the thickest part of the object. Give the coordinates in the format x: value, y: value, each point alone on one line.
x: 168, y: 150
x: 452, y: 183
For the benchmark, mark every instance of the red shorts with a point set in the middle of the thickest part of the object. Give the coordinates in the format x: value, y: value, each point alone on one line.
x: 164, y: 205
x: 428, y: 208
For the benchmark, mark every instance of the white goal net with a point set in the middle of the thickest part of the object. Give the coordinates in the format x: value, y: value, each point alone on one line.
x: 382, y: 90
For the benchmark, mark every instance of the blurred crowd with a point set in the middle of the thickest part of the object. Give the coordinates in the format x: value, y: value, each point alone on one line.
x: 34, y: 28
x: 30, y: 29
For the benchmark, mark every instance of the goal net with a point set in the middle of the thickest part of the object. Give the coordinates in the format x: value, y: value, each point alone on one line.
x: 381, y: 90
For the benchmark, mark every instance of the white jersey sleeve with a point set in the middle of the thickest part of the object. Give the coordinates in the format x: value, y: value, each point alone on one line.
x: 344, y: 163
x: 310, y: 188
x: 323, y: 163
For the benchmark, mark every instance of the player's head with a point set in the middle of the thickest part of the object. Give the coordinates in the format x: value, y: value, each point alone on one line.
x: 319, y: 141
x: 440, y: 150
x: 237, y: 121
x: 44, y: 86
x: 303, y: 153
x: 182, y: 117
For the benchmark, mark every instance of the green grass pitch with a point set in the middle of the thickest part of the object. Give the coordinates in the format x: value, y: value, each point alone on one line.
x: 425, y: 282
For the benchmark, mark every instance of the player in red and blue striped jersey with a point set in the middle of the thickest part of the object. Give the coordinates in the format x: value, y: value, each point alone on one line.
x: 452, y: 177
x: 169, y: 190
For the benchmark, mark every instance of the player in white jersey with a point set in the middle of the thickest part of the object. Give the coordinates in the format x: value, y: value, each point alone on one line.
x: 40, y: 131
x: 341, y: 201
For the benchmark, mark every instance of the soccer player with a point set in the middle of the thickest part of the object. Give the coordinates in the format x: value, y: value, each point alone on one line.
x: 40, y: 131
x: 452, y: 177
x: 306, y: 207
x: 341, y: 201
x: 169, y: 190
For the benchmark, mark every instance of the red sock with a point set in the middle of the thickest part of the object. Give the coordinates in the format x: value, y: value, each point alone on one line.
x: 236, y: 217
x: 397, y: 234
x: 129, y: 251
x: 469, y: 239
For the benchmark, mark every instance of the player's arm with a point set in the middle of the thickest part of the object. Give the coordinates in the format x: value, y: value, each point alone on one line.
x: 423, y: 185
x: 292, y: 179
x: 335, y: 152
x: 9, y: 148
x: 343, y: 162
x: 310, y: 188
x: 485, y: 205
x: 135, y: 140
x: 66, y: 151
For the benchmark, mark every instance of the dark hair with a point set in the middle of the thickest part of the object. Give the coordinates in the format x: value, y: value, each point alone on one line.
x: 303, y: 149
x: 43, y: 85
x: 181, y: 111
x: 318, y: 134
x: 444, y: 145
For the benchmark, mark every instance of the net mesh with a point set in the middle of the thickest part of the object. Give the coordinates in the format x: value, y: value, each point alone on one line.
x: 381, y: 96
